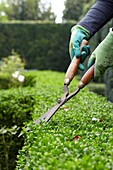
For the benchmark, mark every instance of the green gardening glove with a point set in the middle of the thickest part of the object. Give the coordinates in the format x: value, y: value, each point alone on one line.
x: 78, y: 33
x: 102, y: 56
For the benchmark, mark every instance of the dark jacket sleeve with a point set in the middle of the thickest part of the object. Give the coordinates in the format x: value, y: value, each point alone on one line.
x: 99, y: 14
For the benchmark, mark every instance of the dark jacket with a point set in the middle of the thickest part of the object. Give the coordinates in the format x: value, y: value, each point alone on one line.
x: 99, y: 14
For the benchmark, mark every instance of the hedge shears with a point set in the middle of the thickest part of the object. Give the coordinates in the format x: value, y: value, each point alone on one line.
x: 71, y: 71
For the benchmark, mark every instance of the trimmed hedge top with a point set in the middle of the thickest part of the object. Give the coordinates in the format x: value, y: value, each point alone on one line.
x: 79, y: 136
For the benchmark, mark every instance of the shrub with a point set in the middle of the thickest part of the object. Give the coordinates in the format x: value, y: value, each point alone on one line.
x: 11, y: 64
x: 16, y: 106
x: 12, y: 73
x: 79, y: 136
x: 11, y: 68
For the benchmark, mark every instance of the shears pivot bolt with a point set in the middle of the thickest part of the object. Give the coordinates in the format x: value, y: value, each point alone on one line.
x: 59, y: 101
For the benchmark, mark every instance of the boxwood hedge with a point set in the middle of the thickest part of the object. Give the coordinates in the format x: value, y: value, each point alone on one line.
x: 16, y: 106
x: 79, y: 136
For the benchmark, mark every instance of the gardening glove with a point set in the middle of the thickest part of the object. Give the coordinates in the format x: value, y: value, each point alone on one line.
x: 102, y: 56
x: 78, y: 33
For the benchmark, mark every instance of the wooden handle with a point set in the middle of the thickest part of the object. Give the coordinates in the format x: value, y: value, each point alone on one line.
x: 88, y: 76
x: 72, y: 69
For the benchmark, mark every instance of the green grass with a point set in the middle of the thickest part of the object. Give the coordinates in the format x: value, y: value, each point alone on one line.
x: 77, y: 138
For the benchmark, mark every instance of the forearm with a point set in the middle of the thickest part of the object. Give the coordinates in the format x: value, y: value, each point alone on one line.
x: 100, y: 13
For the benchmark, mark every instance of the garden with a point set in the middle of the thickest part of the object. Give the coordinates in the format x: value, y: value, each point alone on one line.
x: 34, y: 57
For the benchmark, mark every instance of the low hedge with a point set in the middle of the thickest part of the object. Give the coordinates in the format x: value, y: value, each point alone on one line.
x: 79, y: 136
x: 16, y: 106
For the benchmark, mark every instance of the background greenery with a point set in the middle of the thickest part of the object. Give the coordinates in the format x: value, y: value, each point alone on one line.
x: 41, y: 10
x: 25, y: 10
x: 41, y: 45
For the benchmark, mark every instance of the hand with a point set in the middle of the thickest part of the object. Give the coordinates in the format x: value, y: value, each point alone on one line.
x: 102, y: 56
x: 78, y: 33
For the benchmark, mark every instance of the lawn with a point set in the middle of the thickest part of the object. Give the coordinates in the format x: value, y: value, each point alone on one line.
x: 78, y: 137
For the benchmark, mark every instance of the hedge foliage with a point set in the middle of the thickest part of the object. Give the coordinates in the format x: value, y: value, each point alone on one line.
x: 15, y: 109
x: 43, y: 46
x: 79, y: 136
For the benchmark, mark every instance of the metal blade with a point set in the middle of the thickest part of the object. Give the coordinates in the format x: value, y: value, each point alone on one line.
x: 44, y: 115
x: 48, y: 115
x: 40, y: 118
x: 54, y: 108
x: 62, y: 101
x: 53, y: 111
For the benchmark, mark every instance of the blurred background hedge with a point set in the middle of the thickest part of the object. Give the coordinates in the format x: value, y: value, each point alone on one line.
x: 42, y: 46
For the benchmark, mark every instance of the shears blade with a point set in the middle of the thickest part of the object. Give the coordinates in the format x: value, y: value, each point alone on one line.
x: 48, y: 115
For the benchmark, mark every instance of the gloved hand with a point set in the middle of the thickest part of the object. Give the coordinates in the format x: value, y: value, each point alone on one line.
x: 78, y: 33
x: 102, y: 56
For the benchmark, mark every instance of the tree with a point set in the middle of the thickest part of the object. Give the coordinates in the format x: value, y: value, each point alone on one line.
x: 75, y: 10
x: 87, y: 5
x: 27, y: 10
